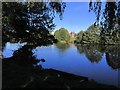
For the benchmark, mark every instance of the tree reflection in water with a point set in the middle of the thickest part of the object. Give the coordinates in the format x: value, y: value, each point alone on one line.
x: 62, y: 46
x: 113, y: 56
x: 92, y: 52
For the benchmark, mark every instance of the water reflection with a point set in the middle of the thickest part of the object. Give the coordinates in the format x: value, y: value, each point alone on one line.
x: 62, y: 46
x: 70, y: 61
x: 92, y: 52
x: 113, y: 56
x: 79, y: 64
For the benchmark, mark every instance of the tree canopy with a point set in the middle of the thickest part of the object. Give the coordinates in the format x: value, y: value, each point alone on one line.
x: 91, y: 35
x: 29, y: 21
x: 79, y: 36
x: 109, y: 16
x: 62, y: 35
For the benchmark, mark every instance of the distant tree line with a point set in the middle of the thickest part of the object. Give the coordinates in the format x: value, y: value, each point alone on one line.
x: 94, y: 35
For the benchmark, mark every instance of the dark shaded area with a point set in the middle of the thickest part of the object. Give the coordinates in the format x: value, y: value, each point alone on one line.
x: 113, y: 56
x: 20, y: 74
x: 30, y: 22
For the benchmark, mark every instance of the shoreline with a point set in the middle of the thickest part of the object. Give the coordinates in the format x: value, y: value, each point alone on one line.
x: 17, y: 76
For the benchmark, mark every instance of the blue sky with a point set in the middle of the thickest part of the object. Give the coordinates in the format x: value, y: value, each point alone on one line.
x: 76, y: 17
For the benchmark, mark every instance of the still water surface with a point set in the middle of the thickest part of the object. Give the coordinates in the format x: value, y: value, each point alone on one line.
x: 95, y: 62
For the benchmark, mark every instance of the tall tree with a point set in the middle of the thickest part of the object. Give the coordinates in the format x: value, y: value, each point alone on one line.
x: 110, y: 14
x: 30, y: 21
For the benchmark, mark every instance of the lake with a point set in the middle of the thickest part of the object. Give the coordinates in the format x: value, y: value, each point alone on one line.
x: 98, y: 63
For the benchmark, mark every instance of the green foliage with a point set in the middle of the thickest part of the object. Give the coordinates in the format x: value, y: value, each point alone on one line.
x: 113, y: 56
x: 111, y: 38
x: 62, y: 35
x: 72, y: 40
x: 29, y: 21
x: 92, y: 35
x: 79, y: 36
x: 107, y: 16
x: 95, y: 35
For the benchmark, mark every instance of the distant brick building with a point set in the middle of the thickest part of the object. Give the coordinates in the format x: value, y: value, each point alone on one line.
x: 73, y: 35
